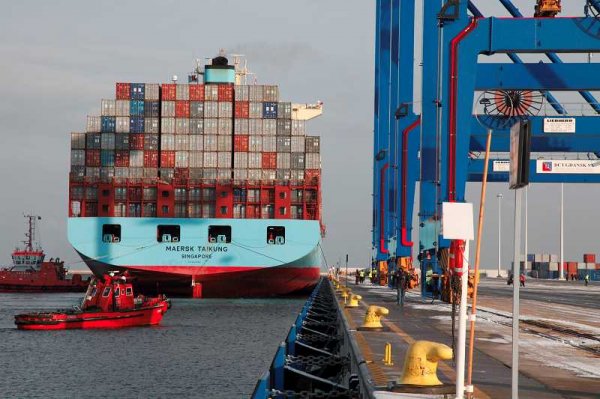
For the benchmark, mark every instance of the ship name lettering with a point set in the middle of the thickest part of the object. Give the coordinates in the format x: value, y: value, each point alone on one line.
x: 179, y: 248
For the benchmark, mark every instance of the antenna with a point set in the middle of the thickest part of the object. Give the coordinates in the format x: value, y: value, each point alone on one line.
x: 174, y: 78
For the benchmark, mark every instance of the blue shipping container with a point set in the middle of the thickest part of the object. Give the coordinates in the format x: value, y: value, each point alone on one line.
x: 136, y: 107
x: 270, y: 110
x: 107, y: 158
x: 151, y: 109
x: 109, y: 124
x: 136, y: 124
x: 138, y: 91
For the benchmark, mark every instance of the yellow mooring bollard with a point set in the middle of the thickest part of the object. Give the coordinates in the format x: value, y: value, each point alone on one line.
x: 345, y: 294
x: 372, y: 321
x: 387, y: 358
x: 421, y: 362
x: 354, y: 301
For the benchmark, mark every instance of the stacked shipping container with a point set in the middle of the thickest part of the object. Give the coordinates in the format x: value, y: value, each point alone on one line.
x: 191, y: 141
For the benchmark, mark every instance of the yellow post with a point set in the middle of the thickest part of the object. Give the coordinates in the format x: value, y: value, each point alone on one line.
x: 420, y: 364
x: 373, y: 317
x: 354, y: 301
x: 345, y: 294
x: 387, y: 358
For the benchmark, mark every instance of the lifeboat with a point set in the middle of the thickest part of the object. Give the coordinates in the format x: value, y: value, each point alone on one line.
x: 108, y: 303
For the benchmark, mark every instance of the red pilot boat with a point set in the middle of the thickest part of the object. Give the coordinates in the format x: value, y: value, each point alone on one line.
x: 108, y: 303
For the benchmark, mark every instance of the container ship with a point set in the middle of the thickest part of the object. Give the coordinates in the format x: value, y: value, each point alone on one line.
x: 207, y: 189
x: 30, y: 273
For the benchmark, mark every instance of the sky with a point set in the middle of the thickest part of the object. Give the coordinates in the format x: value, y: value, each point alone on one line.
x: 60, y: 58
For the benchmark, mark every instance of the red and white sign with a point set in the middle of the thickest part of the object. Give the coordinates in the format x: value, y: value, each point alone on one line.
x: 568, y: 166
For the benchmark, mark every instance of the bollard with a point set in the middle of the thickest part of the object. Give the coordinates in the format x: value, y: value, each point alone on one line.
x: 421, y: 362
x: 346, y: 294
x: 387, y: 358
x: 372, y: 321
x: 354, y: 301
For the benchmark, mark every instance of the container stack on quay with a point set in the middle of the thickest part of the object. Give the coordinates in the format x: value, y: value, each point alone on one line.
x: 191, y: 140
x: 546, y: 266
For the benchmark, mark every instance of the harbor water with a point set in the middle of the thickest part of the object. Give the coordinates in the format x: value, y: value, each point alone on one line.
x: 202, y: 349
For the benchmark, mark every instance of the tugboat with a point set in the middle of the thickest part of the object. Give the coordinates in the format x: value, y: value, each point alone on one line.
x: 29, y: 272
x: 108, y: 303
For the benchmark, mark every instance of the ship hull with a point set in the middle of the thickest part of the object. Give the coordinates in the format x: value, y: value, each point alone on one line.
x: 245, y: 267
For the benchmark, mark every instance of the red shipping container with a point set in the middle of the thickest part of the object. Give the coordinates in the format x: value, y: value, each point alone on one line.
x: 122, y: 159
x: 241, y: 143
x: 589, y: 258
x: 196, y: 92
x: 92, y: 158
x: 123, y: 91
x: 182, y: 109
x: 136, y: 141
x: 168, y: 91
x: 225, y: 92
x: 269, y: 160
x: 150, y: 159
x: 242, y: 109
x: 167, y: 159
x: 312, y: 176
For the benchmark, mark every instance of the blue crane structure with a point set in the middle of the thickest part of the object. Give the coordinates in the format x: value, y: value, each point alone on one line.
x: 438, y: 147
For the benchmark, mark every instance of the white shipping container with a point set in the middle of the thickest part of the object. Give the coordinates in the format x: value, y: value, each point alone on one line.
x: 580, y: 265
x: 254, y: 174
x: 269, y: 174
x: 151, y: 125
x: 312, y: 144
x: 298, y: 144
x: 181, y: 159
x: 312, y: 161
x: 93, y: 172
x: 151, y: 92
x: 284, y: 127
x: 195, y: 159
x: 211, y: 109
x: 284, y: 144
x: 240, y: 160
x: 122, y: 124
x: 269, y: 144
x: 210, y: 174
x: 255, y: 143
x: 283, y: 174
x: 223, y: 174
x: 182, y: 126
x: 225, y: 109
x: 196, y: 126
x: 241, y: 126
x: 78, y: 141
x: 182, y: 92
x: 94, y: 124
x: 255, y: 127
x: 224, y: 160
x: 224, y: 143
x: 537, y: 258
x: 167, y: 109
x: 225, y: 126
x: 297, y: 175
x: 553, y: 267
x: 553, y: 258
x: 167, y: 142
x: 107, y: 141
x: 167, y: 125
x: 270, y: 93
x: 240, y: 174
x: 210, y: 159
x: 108, y: 108
x: 255, y: 93
x: 122, y: 172
x: 254, y: 160
x: 122, y: 107
x: 211, y: 92
x: 298, y: 128
x: 136, y: 173
x: 256, y: 110
x: 136, y: 159
x: 181, y: 143
x: 211, y: 126
x: 241, y: 92
x: 77, y: 157
x: 211, y: 143
x: 196, y: 143
x: 545, y: 257
x: 284, y: 111
x: 196, y: 109
x: 269, y: 127
x: 283, y: 160
x: 150, y: 172
x: 107, y: 172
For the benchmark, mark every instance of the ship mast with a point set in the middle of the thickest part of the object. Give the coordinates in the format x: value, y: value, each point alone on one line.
x: 30, y: 235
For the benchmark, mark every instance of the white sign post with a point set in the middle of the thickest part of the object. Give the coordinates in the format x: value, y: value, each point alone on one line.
x: 457, y: 224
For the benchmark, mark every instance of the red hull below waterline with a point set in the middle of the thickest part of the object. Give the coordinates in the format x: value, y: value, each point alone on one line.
x: 92, y: 320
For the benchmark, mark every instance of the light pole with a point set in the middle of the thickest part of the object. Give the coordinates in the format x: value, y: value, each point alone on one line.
x: 526, y: 249
x: 561, y: 266
x: 499, y: 196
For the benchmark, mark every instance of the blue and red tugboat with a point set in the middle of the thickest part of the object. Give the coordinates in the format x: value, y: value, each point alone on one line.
x: 108, y: 303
